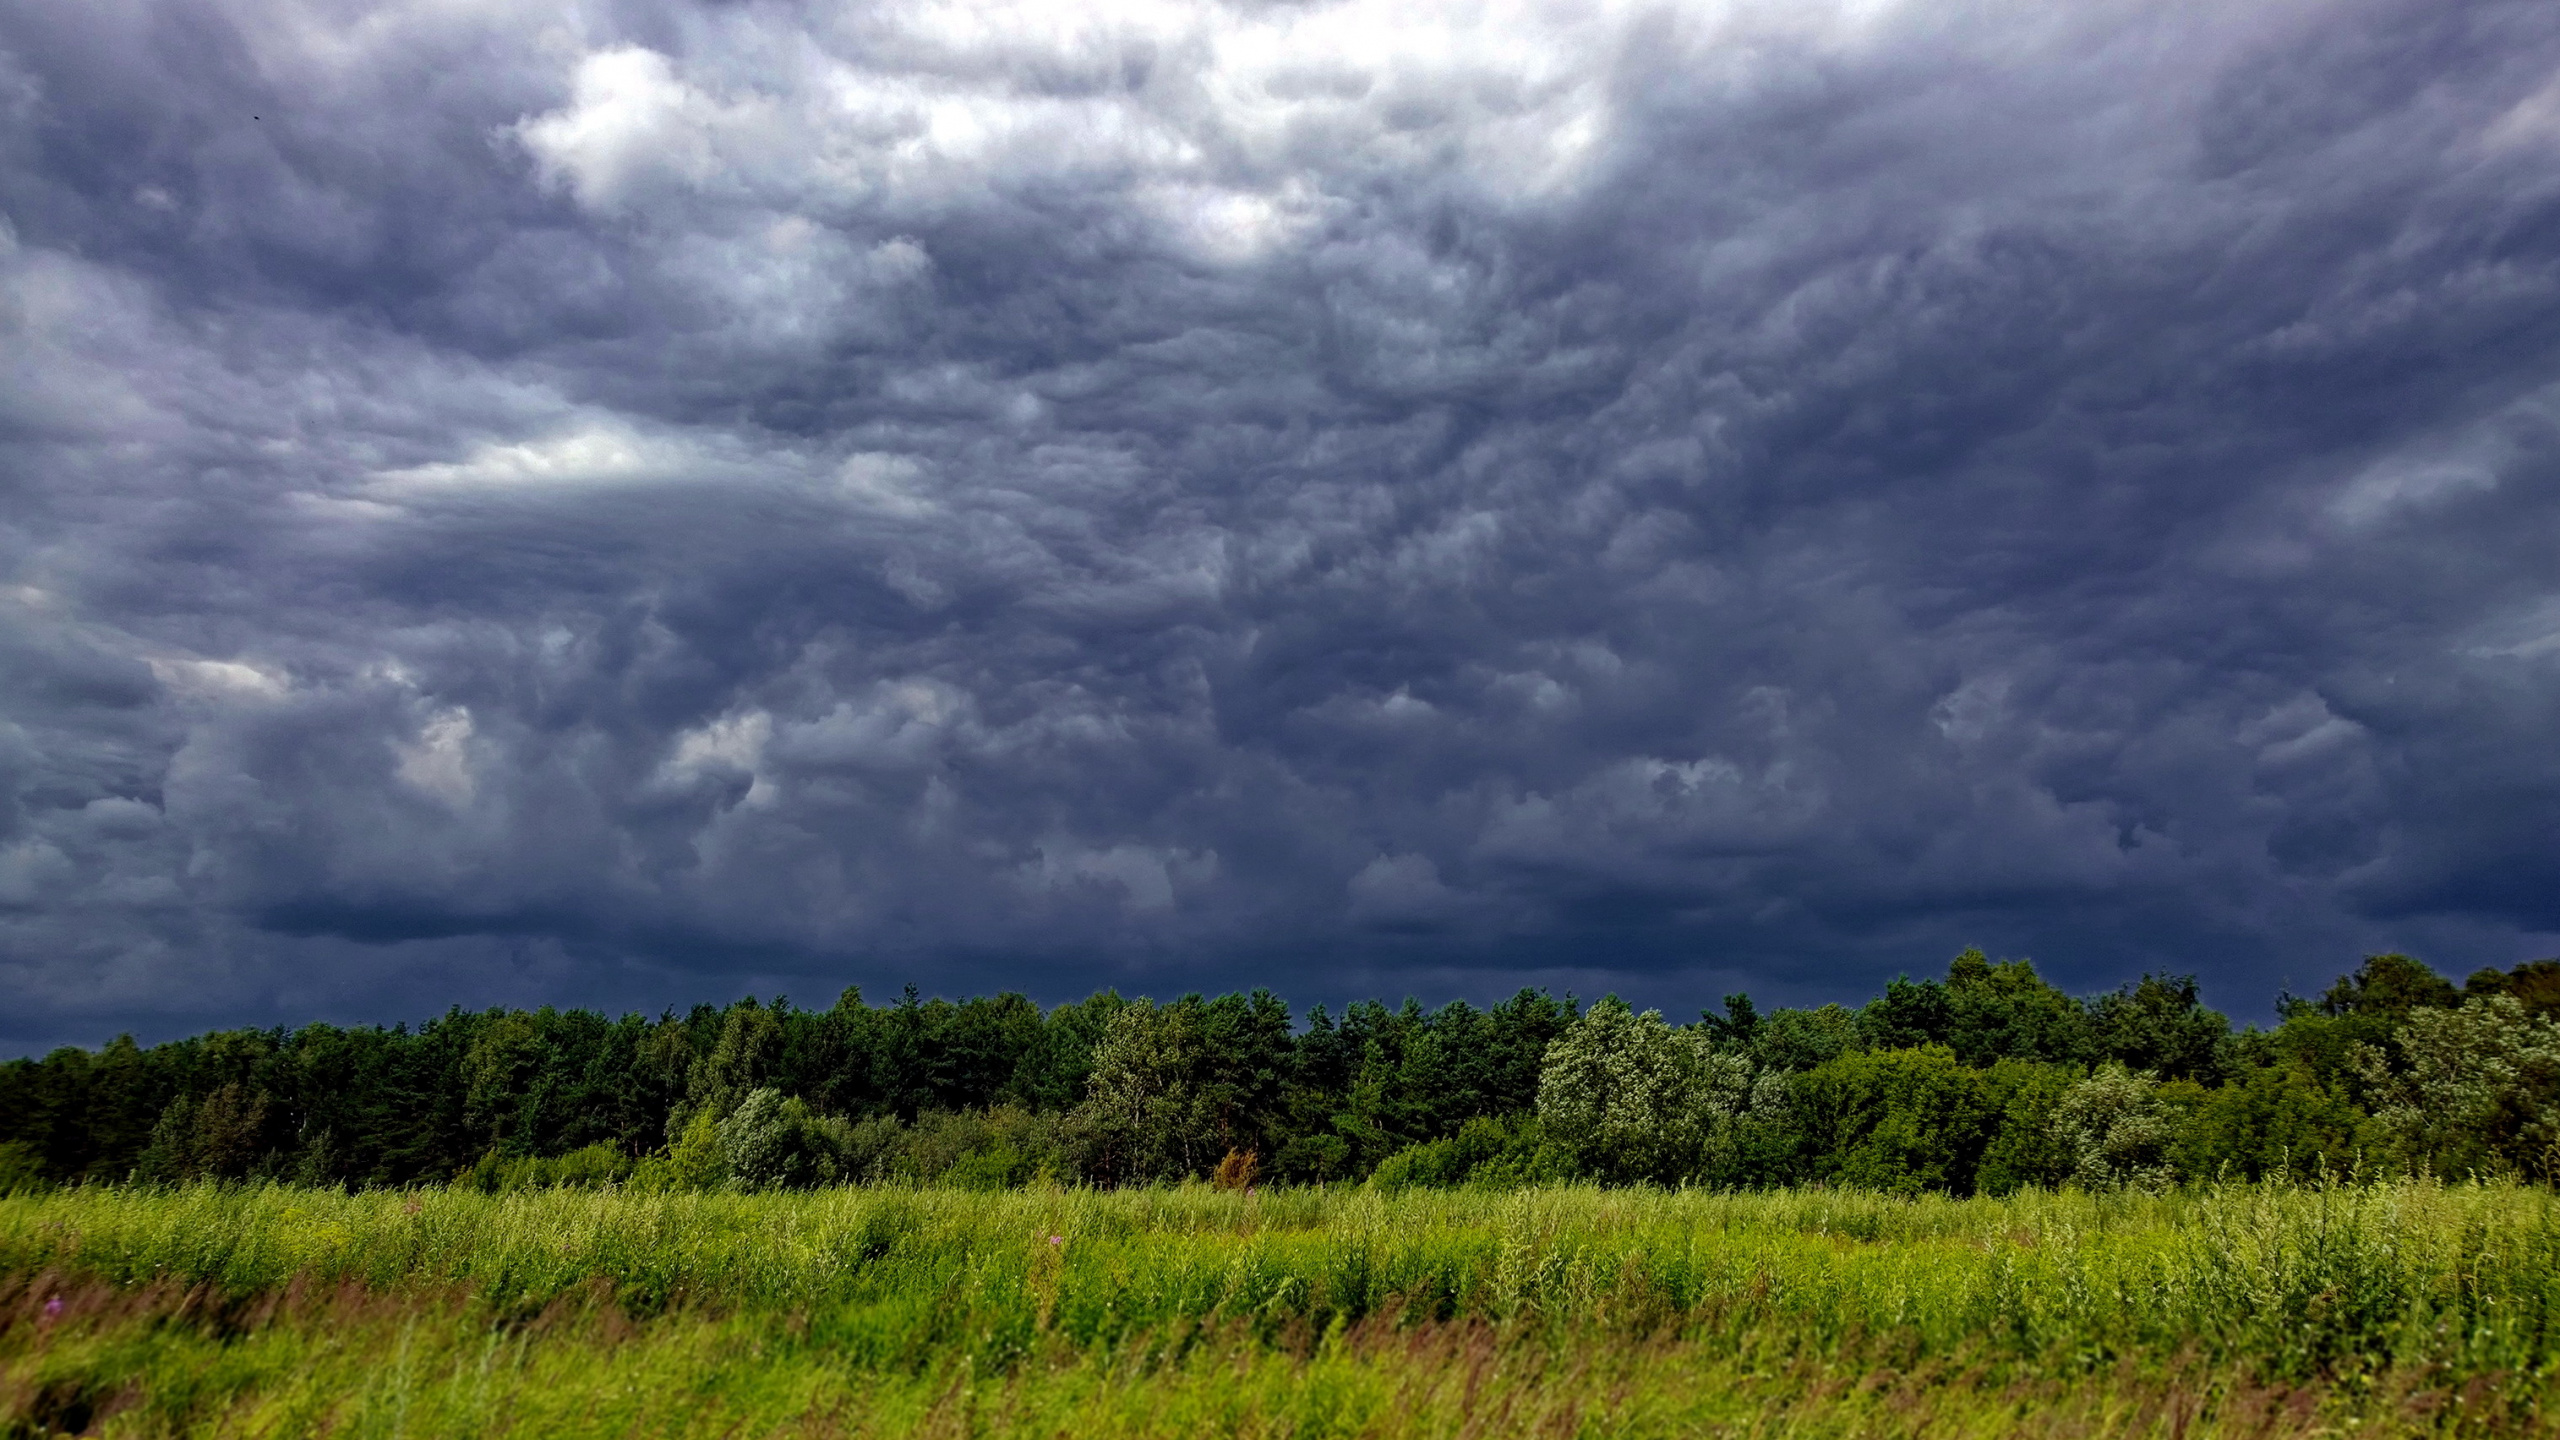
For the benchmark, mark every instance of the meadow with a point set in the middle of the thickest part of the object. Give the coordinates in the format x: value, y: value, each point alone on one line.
x: 2400, y: 1307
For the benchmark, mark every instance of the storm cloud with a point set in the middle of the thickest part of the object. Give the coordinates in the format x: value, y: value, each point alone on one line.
x: 628, y: 503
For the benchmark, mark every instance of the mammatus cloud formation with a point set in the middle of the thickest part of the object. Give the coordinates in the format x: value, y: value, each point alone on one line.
x: 621, y: 503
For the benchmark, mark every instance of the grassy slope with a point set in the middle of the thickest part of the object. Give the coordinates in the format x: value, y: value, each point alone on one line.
x: 275, y: 1311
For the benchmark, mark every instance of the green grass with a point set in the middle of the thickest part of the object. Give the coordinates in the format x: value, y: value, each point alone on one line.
x: 2385, y: 1309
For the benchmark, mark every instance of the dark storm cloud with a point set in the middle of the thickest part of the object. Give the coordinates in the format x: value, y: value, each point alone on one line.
x: 618, y: 506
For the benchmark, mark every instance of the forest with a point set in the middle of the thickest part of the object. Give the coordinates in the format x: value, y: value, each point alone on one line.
x: 1988, y: 1081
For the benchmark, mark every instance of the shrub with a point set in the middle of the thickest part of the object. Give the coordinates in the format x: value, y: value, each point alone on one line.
x: 21, y: 1169
x: 2118, y: 1131
x: 772, y: 1143
x: 2477, y: 1089
x: 990, y: 1149
x: 1237, y: 1171
x: 1488, y: 1153
x: 1900, y: 1121
x: 2278, y: 1121
x: 591, y: 1167
x: 1630, y: 1098
x: 2025, y: 1148
x: 696, y: 1161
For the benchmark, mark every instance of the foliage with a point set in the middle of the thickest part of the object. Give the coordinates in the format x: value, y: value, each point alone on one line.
x: 589, y: 1167
x: 2027, y: 1147
x: 1790, y: 1040
x: 2158, y: 1024
x: 774, y: 1142
x: 2535, y: 985
x: 1170, y: 1093
x: 2389, y: 987
x: 697, y: 1160
x: 2476, y: 1089
x: 2405, y: 1307
x: 2281, y: 1121
x: 20, y: 1168
x: 1487, y: 1153
x: 970, y: 1149
x: 2117, y: 1129
x: 1949, y: 1084
x: 1631, y: 1098
x: 1898, y: 1121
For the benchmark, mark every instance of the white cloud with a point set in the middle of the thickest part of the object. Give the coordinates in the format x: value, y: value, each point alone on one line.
x: 730, y: 744
x: 220, y: 679
x: 629, y: 120
x: 1401, y: 890
x: 1238, y: 127
x: 438, y: 762
x: 1148, y: 878
x: 594, y: 453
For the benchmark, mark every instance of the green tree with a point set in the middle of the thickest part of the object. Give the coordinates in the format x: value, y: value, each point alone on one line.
x: 2118, y: 1130
x: 2391, y: 987
x: 1909, y: 1014
x: 750, y: 1046
x: 2005, y: 1011
x: 2279, y: 1120
x: 2477, y: 1089
x: 1061, y: 1062
x: 2535, y: 985
x: 1803, y: 1039
x: 21, y: 1169
x: 503, y: 1075
x: 2026, y: 1148
x: 2158, y: 1024
x: 697, y: 1160
x: 1147, y: 1113
x: 1631, y: 1098
x: 773, y: 1142
x: 1900, y: 1121
x: 230, y: 1131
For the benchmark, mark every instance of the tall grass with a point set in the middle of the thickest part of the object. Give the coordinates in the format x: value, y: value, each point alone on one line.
x: 887, y: 1310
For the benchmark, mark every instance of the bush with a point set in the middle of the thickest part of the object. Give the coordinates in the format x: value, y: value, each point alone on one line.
x: 1899, y: 1121
x: 776, y: 1144
x: 592, y: 1167
x: 1631, y: 1098
x: 2118, y: 1131
x: 21, y: 1169
x: 872, y: 1147
x: 2475, y: 1090
x: 1488, y: 1153
x: 2026, y: 1149
x: 2276, y: 1122
x: 697, y: 1160
x: 1238, y: 1171
x: 993, y: 1149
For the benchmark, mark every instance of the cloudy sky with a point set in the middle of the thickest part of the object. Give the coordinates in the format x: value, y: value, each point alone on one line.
x: 630, y: 503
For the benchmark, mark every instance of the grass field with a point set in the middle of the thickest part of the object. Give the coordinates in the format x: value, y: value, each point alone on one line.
x: 2366, y: 1309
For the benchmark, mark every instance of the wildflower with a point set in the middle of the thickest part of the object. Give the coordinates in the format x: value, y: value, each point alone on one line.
x: 1057, y: 1239
x: 53, y: 1308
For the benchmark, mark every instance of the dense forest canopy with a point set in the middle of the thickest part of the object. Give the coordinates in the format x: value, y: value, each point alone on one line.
x: 1988, y: 1080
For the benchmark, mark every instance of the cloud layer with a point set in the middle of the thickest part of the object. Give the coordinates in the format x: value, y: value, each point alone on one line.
x: 621, y: 503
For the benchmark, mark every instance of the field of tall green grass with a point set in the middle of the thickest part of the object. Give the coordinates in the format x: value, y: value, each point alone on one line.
x: 2353, y: 1308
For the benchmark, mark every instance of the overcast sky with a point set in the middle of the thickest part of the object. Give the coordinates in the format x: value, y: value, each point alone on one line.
x: 627, y: 504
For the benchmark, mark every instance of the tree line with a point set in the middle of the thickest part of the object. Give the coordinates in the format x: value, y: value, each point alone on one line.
x: 1988, y: 1080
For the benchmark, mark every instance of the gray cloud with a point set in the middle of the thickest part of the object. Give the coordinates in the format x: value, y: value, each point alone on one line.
x: 621, y: 505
